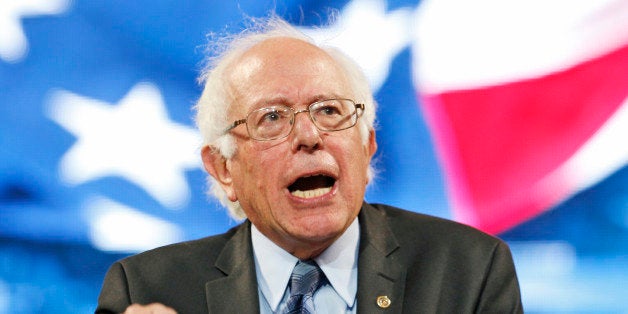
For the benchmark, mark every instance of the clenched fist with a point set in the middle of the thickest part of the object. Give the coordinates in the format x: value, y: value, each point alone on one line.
x: 153, y: 308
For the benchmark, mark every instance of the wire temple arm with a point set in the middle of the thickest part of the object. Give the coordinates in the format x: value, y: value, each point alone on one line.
x: 235, y: 124
x: 361, y: 107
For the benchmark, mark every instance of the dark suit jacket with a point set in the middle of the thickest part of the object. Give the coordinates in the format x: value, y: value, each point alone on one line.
x: 423, y: 264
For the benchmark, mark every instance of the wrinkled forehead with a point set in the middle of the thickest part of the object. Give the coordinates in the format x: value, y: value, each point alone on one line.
x: 284, y: 68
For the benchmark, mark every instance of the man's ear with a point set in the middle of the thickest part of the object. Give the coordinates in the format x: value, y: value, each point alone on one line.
x: 372, y: 145
x: 218, y: 167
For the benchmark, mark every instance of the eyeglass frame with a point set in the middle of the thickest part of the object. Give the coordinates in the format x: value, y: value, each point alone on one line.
x: 294, y: 115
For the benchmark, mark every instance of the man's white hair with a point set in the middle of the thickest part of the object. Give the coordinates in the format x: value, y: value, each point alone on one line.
x: 213, y: 105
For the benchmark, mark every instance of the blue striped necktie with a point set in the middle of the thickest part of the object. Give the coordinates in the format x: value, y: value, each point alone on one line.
x: 306, y: 278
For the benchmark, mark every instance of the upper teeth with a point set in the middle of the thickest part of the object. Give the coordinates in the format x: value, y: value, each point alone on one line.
x: 311, y: 193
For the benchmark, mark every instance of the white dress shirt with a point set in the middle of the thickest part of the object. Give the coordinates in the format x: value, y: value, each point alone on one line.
x: 339, y: 262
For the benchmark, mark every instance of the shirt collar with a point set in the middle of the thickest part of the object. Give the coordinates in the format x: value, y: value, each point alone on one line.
x: 339, y: 263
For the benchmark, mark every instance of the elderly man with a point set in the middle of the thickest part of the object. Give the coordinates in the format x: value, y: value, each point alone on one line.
x: 289, y: 138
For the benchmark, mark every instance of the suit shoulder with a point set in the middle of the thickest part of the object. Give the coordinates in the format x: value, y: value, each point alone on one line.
x: 207, y: 248
x: 414, y: 225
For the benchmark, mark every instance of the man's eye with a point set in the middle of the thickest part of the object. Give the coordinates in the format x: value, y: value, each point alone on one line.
x: 271, y: 117
x: 329, y: 110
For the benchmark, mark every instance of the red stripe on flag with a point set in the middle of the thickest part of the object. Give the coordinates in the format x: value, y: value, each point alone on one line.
x: 499, y: 143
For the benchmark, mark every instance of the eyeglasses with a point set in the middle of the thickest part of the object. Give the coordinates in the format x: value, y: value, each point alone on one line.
x: 277, y: 121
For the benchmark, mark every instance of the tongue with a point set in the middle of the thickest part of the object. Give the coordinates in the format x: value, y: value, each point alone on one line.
x: 311, y: 183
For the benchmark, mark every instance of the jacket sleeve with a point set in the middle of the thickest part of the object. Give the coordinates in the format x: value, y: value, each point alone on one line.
x: 114, y: 295
x: 500, y: 293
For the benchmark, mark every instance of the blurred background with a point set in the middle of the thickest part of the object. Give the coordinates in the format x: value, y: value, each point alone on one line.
x: 510, y: 116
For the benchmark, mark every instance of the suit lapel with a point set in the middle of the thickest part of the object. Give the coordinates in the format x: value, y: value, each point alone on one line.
x: 379, y: 273
x: 380, y: 277
x: 236, y: 291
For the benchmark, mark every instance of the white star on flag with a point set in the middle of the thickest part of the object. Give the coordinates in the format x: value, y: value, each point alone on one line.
x: 369, y: 35
x: 117, y: 227
x: 13, y: 42
x: 133, y: 139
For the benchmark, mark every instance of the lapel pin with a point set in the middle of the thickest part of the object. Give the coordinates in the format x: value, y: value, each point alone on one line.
x: 383, y: 301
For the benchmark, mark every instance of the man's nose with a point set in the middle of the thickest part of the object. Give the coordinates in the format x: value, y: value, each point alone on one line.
x: 305, y: 134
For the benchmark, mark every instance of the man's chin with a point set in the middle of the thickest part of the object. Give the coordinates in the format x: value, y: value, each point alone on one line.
x: 314, y: 232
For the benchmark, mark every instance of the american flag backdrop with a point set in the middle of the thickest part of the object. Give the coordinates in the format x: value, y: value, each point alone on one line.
x: 511, y: 116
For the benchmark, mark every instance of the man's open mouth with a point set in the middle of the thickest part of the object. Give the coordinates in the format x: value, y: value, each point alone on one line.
x: 312, y: 186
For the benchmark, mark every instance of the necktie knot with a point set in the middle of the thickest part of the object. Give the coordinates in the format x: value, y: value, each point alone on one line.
x: 306, y: 278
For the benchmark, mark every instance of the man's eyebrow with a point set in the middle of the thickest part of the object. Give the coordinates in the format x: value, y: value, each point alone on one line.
x: 279, y: 100
x: 320, y: 97
x: 282, y: 100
